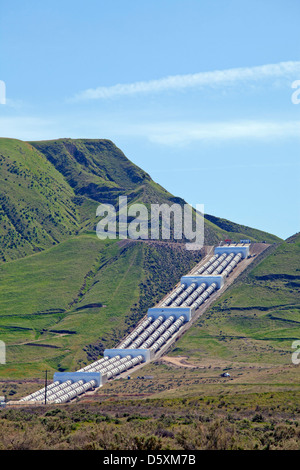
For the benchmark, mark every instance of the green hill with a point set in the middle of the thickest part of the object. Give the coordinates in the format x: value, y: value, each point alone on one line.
x: 36, y: 203
x: 50, y: 190
x: 94, y: 168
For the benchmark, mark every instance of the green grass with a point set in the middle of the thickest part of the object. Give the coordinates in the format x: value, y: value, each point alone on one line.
x: 93, y: 167
x: 36, y: 203
x: 74, y: 299
x: 236, y: 231
x: 285, y: 262
x: 40, y: 291
x: 48, y: 280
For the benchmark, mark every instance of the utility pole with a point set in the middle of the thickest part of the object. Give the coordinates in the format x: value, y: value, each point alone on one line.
x: 46, y: 388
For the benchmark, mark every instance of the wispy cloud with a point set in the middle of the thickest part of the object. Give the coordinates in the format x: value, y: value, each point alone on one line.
x: 202, y: 79
x: 27, y: 128
x: 163, y: 133
x: 184, y: 133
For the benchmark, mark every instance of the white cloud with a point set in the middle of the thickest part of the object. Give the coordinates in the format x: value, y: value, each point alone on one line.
x: 166, y: 133
x: 202, y: 79
x: 183, y: 133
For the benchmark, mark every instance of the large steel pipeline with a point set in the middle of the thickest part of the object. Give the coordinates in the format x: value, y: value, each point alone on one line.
x: 150, y: 334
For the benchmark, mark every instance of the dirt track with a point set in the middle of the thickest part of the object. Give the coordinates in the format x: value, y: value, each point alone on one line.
x: 179, y: 361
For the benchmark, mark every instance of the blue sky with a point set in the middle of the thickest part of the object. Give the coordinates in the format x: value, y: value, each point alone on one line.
x: 196, y: 92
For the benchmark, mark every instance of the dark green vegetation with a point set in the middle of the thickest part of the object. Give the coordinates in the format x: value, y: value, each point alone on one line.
x: 207, y: 422
x: 36, y: 203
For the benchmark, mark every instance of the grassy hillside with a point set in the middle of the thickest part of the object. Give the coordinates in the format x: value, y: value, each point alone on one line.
x: 98, y: 170
x: 36, y: 203
x: 93, y: 168
x: 237, y: 231
x: 61, y: 307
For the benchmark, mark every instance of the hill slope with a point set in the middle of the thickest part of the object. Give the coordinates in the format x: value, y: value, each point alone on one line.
x: 50, y: 190
x: 36, y: 203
